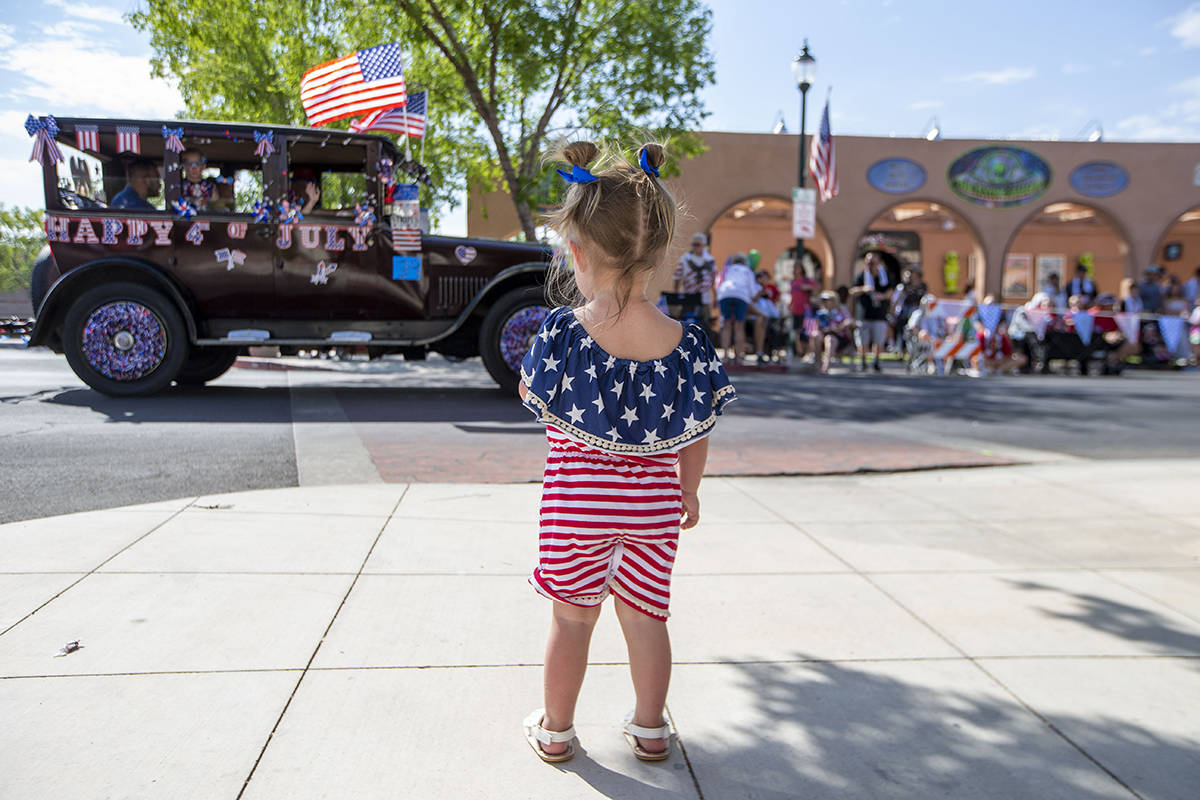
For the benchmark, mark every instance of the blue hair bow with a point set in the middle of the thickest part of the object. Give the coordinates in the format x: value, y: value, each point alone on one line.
x: 577, y: 174
x: 644, y: 163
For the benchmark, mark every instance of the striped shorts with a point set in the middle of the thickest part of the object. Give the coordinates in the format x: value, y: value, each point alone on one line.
x: 609, y: 523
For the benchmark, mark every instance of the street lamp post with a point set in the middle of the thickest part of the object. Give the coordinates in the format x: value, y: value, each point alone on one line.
x: 804, y: 69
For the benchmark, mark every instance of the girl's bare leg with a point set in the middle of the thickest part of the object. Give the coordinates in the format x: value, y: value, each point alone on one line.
x: 650, y: 666
x: 566, y: 662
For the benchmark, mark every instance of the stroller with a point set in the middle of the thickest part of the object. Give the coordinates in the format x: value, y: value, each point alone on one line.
x: 918, y: 349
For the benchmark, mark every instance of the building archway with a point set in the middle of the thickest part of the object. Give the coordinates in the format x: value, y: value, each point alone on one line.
x: 1178, y: 248
x: 764, y: 223
x: 930, y: 235
x: 1054, y: 239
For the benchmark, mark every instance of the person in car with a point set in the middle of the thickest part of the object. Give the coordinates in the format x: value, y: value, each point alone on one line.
x: 304, y: 189
x: 204, y: 193
x: 142, y: 181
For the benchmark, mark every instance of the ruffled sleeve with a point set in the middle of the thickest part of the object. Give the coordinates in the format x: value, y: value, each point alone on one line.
x: 619, y: 405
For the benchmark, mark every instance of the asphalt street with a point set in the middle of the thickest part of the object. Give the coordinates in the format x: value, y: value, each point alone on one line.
x: 66, y: 448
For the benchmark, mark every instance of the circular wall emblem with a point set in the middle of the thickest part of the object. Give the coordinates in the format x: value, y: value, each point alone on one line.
x: 896, y: 175
x: 1099, y: 179
x: 999, y: 177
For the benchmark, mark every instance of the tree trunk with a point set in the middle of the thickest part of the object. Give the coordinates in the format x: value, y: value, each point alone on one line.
x: 525, y: 214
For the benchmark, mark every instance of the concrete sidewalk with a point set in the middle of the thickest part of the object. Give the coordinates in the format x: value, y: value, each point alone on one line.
x: 1010, y: 632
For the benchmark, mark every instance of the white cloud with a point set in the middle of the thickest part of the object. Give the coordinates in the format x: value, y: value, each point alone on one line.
x: 997, y: 77
x: 85, y: 11
x: 1075, y: 69
x: 1146, y: 127
x: 1185, y: 26
x: 923, y: 105
x: 21, y: 182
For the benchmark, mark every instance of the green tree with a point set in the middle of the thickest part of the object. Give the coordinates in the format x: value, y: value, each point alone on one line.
x: 506, y: 78
x: 21, y: 237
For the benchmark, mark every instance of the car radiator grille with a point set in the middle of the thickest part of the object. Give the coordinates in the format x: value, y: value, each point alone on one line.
x: 456, y: 291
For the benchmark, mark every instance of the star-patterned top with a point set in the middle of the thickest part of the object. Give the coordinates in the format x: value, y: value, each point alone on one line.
x: 619, y: 405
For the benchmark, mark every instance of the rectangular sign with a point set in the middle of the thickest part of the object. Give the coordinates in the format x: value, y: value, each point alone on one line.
x: 804, y: 213
x: 406, y: 268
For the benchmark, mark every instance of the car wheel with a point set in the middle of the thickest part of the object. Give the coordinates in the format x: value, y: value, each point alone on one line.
x: 206, y: 364
x: 124, y: 339
x: 508, y: 331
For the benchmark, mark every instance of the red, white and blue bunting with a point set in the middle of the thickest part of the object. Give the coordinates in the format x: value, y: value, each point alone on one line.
x: 990, y: 315
x: 265, y: 143
x: 1084, y: 324
x: 87, y: 137
x: 129, y: 139
x: 1171, y: 329
x: 43, y: 131
x: 173, y: 139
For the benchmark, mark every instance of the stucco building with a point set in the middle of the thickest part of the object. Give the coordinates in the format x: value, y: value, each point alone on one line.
x: 1001, y: 213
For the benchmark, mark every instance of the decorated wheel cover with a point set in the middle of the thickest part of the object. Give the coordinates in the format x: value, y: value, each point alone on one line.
x: 517, y: 332
x: 124, y: 341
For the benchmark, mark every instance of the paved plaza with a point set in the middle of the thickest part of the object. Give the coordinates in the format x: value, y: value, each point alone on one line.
x: 1004, y: 632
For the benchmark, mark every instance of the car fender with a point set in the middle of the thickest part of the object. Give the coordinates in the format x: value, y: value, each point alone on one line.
x: 511, y: 276
x: 61, y: 293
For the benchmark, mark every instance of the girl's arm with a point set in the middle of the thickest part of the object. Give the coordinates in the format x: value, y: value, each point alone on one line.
x: 691, y: 468
x: 521, y: 390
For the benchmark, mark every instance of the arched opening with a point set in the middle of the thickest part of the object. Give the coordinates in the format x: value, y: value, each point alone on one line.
x: 1053, y: 241
x: 1178, y: 249
x: 928, y: 236
x: 765, y: 224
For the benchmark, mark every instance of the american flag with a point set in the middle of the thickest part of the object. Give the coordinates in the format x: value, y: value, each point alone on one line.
x: 822, y: 164
x: 129, y: 139
x: 406, y: 239
x: 87, y: 137
x: 365, y: 80
x: 409, y: 118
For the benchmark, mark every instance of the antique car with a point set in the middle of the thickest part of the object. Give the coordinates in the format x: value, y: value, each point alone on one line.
x: 174, y: 245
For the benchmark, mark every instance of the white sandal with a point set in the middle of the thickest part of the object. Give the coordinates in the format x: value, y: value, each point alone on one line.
x: 632, y: 731
x: 537, y: 736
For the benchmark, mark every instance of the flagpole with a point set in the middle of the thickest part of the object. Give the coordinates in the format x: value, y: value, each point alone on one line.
x: 426, y: 133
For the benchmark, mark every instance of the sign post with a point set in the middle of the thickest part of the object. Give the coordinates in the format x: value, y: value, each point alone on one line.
x: 804, y: 215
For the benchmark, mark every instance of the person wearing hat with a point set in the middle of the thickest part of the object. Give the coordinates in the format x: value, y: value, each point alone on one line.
x: 694, y: 275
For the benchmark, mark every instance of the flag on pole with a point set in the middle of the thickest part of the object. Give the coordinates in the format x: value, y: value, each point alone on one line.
x: 409, y: 119
x: 822, y: 164
x: 365, y: 80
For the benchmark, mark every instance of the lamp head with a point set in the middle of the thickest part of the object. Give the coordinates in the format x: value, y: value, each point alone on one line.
x: 804, y: 68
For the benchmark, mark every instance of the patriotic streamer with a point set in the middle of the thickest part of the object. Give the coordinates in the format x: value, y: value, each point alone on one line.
x: 129, y: 139
x: 364, y: 215
x: 265, y: 142
x: 1084, y: 324
x: 1130, y: 325
x: 87, y: 137
x: 43, y: 131
x: 1171, y: 329
x: 174, y: 142
x: 990, y: 316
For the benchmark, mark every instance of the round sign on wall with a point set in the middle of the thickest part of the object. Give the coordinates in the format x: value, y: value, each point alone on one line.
x: 999, y: 177
x: 1099, y: 179
x: 896, y: 175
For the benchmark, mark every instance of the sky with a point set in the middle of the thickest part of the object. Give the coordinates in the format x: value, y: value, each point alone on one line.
x: 1005, y: 70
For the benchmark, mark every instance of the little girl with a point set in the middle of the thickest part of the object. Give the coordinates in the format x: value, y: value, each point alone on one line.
x: 628, y: 397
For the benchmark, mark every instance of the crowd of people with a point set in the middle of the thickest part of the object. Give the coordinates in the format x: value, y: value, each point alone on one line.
x: 881, y: 312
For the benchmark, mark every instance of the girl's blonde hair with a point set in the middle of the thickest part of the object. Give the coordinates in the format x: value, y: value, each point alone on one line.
x: 625, y: 219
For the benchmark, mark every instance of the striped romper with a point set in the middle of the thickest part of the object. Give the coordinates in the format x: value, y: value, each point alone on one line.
x: 611, y: 500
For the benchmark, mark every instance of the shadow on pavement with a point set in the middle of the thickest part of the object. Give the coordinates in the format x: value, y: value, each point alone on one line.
x: 825, y: 730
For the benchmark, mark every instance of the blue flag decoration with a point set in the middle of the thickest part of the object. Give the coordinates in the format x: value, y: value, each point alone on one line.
x: 1084, y: 323
x: 406, y: 268
x: 990, y: 316
x: 1171, y: 329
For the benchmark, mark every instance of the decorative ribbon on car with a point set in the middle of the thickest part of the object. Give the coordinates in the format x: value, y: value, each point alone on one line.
x: 173, y: 142
x: 265, y: 142
x: 262, y: 211
x: 43, y: 131
x: 232, y: 258
x: 386, y: 172
x: 183, y: 208
x: 364, y: 215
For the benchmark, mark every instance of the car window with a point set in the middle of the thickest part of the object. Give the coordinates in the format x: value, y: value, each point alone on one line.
x: 341, y: 190
x: 80, y: 179
x: 247, y: 190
